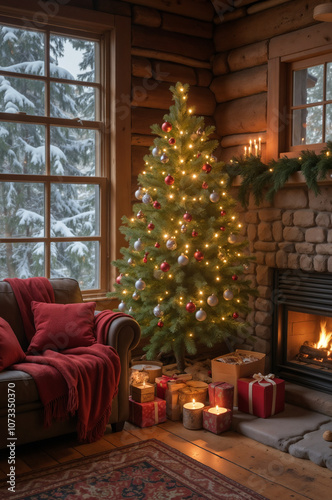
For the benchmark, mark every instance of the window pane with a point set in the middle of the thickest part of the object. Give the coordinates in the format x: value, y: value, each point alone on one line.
x: 73, y: 101
x: 308, y: 85
x: 329, y: 81
x: 72, y: 58
x: 308, y: 125
x: 22, y: 212
x: 79, y: 260
x: 22, y: 95
x: 22, y: 50
x: 328, y: 130
x: 73, y: 151
x: 21, y: 260
x: 74, y: 210
x: 22, y: 148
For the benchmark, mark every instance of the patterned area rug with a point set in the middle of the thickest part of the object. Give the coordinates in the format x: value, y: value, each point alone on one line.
x: 148, y: 470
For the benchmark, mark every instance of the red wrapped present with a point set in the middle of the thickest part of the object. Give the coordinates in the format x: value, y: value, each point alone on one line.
x: 221, y: 394
x: 147, y: 414
x: 261, y: 395
x: 161, y: 386
x: 217, y: 419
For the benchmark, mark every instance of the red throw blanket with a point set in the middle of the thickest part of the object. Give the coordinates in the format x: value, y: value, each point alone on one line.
x: 81, y: 380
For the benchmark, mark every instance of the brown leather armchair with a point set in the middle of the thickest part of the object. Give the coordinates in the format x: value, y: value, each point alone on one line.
x: 123, y: 335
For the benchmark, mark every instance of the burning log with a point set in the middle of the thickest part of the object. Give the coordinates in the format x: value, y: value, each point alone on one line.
x: 313, y: 352
x: 326, y: 363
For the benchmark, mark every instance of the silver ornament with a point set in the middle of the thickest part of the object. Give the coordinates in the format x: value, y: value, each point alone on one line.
x: 183, y: 260
x: 140, y: 284
x: 158, y: 312
x: 131, y: 310
x: 139, y: 193
x: 200, y: 315
x: 131, y: 262
x: 214, y: 197
x: 213, y: 158
x: 156, y: 151
x: 146, y: 198
x: 183, y: 228
x: 158, y: 274
x: 164, y: 158
x: 228, y: 294
x: 135, y: 296
x: 171, y: 244
x: 122, y: 306
x: 212, y: 300
x: 231, y: 238
x: 138, y: 245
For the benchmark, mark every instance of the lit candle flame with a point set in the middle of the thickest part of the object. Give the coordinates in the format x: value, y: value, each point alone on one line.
x: 194, y: 403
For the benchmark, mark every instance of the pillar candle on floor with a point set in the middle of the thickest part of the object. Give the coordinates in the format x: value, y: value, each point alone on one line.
x: 193, y: 415
x: 216, y: 419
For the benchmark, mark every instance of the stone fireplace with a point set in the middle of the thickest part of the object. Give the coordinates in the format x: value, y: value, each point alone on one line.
x: 290, y: 237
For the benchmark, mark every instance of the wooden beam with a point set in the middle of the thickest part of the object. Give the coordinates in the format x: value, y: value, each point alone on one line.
x: 141, y: 66
x: 247, y: 57
x: 167, y: 56
x: 196, y: 9
x: 141, y: 140
x: 146, y: 16
x: 242, y: 139
x: 204, y: 77
x: 143, y: 118
x: 244, y: 115
x: 171, y: 72
x: 220, y: 64
x: 301, y: 40
x: 187, y: 26
x: 137, y: 162
x: 240, y: 84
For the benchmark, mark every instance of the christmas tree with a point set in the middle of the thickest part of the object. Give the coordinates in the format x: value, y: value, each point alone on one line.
x: 182, y: 275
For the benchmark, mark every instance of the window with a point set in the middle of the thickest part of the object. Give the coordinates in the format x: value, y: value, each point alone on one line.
x: 59, y: 148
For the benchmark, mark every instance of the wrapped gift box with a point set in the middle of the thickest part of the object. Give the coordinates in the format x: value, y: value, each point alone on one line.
x: 218, y: 421
x: 260, y: 395
x: 147, y: 414
x: 161, y: 383
x: 173, y: 408
x: 221, y: 394
x: 142, y: 393
x: 231, y: 372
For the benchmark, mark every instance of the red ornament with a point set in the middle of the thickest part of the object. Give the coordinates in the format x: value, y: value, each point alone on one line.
x: 234, y: 277
x: 199, y: 256
x: 160, y: 324
x: 145, y: 258
x: 169, y: 180
x: 194, y: 234
x: 118, y: 279
x: 157, y: 245
x: 156, y: 204
x: 235, y: 315
x: 187, y: 217
x: 199, y: 154
x: 222, y: 228
x: 166, y: 127
x: 222, y: 212
x: 140, y: 215
x: 171, y: 141
x: 191, y: 307
x: 205, y: 185
x: 164, y: 266
x: 207, y: 167
x: 151, y: 226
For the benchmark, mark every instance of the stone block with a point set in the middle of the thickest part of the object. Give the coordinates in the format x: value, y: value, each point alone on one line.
x: 263, y: 318
x: 308, y: 248
x: 243, y: 230
x: 329, y: 264
x: 270, y: 259
x: 265, y: 246
x: 263, y: 332
x: 295, y: 199
x: 293, y: 233
x: 265, y: 231
x: 293, y: 260
x: 264, y: 291
x: 329, y: 236
x: 323, y: 201
x: 263, y: 305
x: 304, y: 218
x: 320, y: 263
x: 287, y: 218
x: 251, y: 217
x: 264, y: 275
x: 260, y: 257
x: 261, y: 345
x: 324, y: 248
x: 252, y: 204
x: 270, y: 214
x: 281, y: 259
x: 286, y: 246
x: 306, y: 263
x: 323, y: 219
x: 315, y: 235
x: 252, y: 232
x: 277, y: 230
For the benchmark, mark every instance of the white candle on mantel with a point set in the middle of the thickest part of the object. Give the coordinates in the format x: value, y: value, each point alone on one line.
x: 217, y: 411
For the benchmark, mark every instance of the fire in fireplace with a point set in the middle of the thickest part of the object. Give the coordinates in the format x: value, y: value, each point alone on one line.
x: 302, y: 347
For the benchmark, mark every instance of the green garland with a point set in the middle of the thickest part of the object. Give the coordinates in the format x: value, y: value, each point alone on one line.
x: 265, y: 180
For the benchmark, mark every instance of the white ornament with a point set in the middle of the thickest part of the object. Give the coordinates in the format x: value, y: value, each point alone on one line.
x: 200, y: 315
x: 171, y: 244
x: 158, y: 274
x: 214, y: 197
x: 139, y: 193
x: 140, y: 284
x: 138, y: 245
x: 231, y: 238
x: 158, y: 312
x: 212, y: 300
x: 183, y: 228
x: 164, y: 158
x: 131, y: 310
x: 183, y: 260
x: 122, y: 306
x: 146, y: 198
x: 156, y: 151
x: 131, y: 262
x: 228, y: 294
x: 135, y: 296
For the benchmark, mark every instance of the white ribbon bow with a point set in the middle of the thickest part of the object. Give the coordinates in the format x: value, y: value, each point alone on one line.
x: 258, y: 377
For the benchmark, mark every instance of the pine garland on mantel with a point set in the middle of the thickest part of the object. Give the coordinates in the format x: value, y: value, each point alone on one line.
x: 264, y: 180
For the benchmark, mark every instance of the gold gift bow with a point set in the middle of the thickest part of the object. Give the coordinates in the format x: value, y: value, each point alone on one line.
x: 258, y: 377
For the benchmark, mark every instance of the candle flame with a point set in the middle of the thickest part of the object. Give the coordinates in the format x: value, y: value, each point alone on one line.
x: 143, y: 383
x: 217, y: 408
x: 194, y: 403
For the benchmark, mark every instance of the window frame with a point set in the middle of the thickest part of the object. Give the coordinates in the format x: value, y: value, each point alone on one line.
x: 115, y: 129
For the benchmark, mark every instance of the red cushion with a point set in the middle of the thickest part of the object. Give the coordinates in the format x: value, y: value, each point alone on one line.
x: 10, y: 350
x: 62, y: 326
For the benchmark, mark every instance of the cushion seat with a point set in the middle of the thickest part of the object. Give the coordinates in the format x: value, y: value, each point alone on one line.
x: 25, y: 388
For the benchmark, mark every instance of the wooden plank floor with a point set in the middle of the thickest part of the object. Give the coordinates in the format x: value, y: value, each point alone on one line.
x: 272, y: 473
